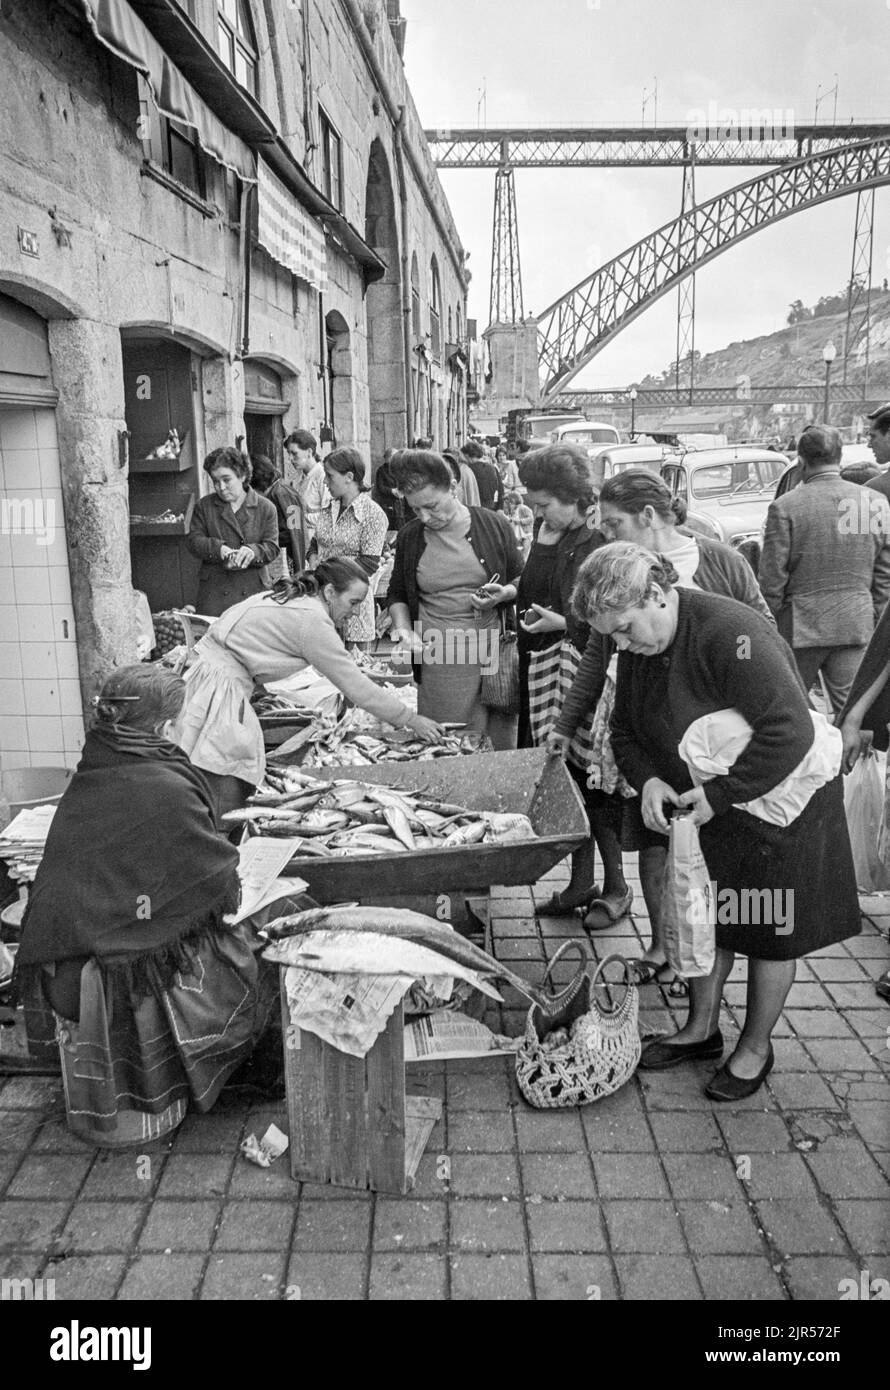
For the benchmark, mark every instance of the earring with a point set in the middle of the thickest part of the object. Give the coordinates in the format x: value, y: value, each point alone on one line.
x: 662, y: 605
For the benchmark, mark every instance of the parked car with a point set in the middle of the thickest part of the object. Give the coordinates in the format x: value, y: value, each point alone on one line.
x: 606, y: 461
x: 590, y: 434
x: 727, y: 491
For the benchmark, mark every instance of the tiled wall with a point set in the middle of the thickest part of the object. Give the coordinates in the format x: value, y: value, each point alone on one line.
x: 41, y: 722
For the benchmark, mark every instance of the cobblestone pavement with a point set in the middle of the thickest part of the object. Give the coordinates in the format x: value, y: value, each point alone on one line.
x: 653, y: 1193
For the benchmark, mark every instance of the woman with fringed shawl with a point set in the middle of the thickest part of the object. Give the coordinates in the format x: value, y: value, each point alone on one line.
x: 126, y: 962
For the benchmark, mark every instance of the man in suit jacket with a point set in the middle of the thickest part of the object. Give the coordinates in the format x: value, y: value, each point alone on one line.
x: 825, y: 568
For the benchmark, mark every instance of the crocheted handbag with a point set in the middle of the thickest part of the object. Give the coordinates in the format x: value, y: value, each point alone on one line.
x: 598, y: 1055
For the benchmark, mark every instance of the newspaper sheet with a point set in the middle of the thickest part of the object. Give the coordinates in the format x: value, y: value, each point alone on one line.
x: 261, y: 860
x: 445, y: 1034
x: 347, y: 1011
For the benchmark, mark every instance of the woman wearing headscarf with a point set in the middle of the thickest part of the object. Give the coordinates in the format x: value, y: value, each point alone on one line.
x: 124, y: 941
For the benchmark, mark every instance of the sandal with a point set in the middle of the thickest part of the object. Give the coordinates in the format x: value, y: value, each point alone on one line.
x: 611, y: 907
x: 557, y: 908
x: 644, y: 972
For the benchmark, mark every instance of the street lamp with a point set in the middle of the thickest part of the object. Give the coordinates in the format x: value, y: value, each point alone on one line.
x: 632, y: 393
x: 829, y: 353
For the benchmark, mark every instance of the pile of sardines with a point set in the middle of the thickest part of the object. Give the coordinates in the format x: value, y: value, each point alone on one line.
x: 346, y: 817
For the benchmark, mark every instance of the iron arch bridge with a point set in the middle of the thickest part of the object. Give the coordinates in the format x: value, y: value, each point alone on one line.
x: 579, y: 325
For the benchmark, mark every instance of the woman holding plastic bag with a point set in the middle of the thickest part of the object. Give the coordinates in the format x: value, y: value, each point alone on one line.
x: 780, y: 890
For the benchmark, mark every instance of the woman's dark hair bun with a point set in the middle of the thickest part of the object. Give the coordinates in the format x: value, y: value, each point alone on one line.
x: 678, y: 507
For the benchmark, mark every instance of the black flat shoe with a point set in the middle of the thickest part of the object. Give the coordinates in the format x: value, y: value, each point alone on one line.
x: 659, y: 1055
x: 725, y: 1085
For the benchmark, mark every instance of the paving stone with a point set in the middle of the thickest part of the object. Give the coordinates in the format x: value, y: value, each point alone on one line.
x: 50, y: 1176
x: 753, y: 1133
x: 490, y: 1278
x: 677, y: 1131
x: 660, y: 1277
x: 30, y: 1225
x: 838, y: 968
x: 541, y: 1132
x: 196, y: 1175
x: 853, y: 997
x: 98, y: 1226
x: 570, y: 1226
x: 332, y: 1226
x: 644, y: 1227
x: 483, y: 1175
x: 800, y: 1226
x: 400, y: 1224
x: 808, y: 995
x: 124, y: 1175
x: 407, y: 1278
x: 790, y: 1055
x: 742, y: 1278
x: 84, y: 1277
x: 327, y: 1277
x: 720, y: 1226
x: 520, y: 948
x: 8, y: 1165
x: 701, y: 1175
x: 576, y: 1278
x: 473, y: 1092
x: 868, y: 946
x: 52, y: 1136
x: 214, y: 1133
x: 168, y: 1277
x: 33, y: 1093
x: 868, y: 1023
x: 841, y: 1054
x: 843, y: 1167
x: 625, y: 1132
x: 255, y: 1277
x: 867, y: 1225
x: 557, y: 1175
x: 19, y: 1128
x: 331, y: 1192
x: 484, y: 1133
x: 817, y: 1023
x: 679, y: 1089
x: 629, y: 1175
x: 180, y: 1226
x: 506, y: 927
x: 780, y: 1175
x: 487, y: 1226
x: 870, y: 1118
x: 257, y: 1226
x: 801, y: 1091
x: 819, y: 1277
x: 276, y: 1182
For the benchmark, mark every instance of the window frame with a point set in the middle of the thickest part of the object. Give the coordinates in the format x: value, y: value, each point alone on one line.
x: 435, y: 310
x: 330, y: 136
x: 240, y: 44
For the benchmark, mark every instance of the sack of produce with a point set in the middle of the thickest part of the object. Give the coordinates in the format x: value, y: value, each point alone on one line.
x: 169, y: 633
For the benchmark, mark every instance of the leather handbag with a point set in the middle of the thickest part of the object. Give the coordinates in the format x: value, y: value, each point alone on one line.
x: 500, y: 684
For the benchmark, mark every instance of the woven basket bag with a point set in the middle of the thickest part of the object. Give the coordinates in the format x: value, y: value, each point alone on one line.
x: 603, y: 1048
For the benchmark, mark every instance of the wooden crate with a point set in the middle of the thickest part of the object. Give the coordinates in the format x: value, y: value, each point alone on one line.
x: 350, y: 1121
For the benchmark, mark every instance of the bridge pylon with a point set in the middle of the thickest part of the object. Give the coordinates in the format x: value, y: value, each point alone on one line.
x: 505, y: 301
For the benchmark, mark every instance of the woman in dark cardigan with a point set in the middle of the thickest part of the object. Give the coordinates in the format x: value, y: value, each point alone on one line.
x: 156, y: 998
x: 685, y: 655
x: 551, y: 640
x: 234, y: 533
x: 455, y: 569
x: 637, y: 506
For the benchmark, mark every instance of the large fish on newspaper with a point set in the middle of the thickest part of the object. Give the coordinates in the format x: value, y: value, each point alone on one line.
x: 369, y: 953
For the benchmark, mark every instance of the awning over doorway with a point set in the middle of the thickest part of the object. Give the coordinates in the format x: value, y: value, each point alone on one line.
x: 122, y: 32
x: 290, y: 236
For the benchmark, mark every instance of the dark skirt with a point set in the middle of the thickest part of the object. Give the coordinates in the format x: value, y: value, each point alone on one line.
x: 783, y: 892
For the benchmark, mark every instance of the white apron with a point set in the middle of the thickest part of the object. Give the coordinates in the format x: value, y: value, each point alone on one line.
x: 217, y: 727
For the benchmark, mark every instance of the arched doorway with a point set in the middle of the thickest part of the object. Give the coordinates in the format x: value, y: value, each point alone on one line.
x: 383, y: 308
x: 339, y: 398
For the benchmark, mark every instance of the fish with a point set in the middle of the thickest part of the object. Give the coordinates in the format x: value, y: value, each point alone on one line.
x: 257, y: 813
x: 402, y: 922
x: 369, y: 953
x: 398, y: 823
x: 465, y: 834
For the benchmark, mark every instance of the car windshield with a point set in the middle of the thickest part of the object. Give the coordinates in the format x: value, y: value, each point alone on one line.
x: 739, y: 475
x: 603, y: 436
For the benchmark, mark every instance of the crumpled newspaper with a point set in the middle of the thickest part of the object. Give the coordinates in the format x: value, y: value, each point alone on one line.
x: 263, y: 1152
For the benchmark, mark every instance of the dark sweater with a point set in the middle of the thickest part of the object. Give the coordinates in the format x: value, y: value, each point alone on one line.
x: 489, y: 481
x: 572, y: 549
x: 721, y: 570
x: 723, y: 656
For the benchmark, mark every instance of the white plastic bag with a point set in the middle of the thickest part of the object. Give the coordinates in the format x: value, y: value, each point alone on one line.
x: 688, y: 908
x: 864, y: 805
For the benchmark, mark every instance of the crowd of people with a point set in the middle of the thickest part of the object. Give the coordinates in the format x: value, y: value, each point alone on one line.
x: 630, y: 633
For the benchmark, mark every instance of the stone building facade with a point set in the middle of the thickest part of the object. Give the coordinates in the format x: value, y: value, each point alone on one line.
x: 219, y: 216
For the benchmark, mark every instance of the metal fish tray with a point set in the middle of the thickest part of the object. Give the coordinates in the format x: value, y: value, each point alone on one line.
x: 524, y: 781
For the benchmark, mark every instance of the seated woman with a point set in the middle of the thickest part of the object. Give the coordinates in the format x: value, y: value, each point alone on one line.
x: 155, y: 999
x: 455, y: 567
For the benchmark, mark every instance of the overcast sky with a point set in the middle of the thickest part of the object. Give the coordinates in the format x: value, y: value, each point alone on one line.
x: 577, y: 62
